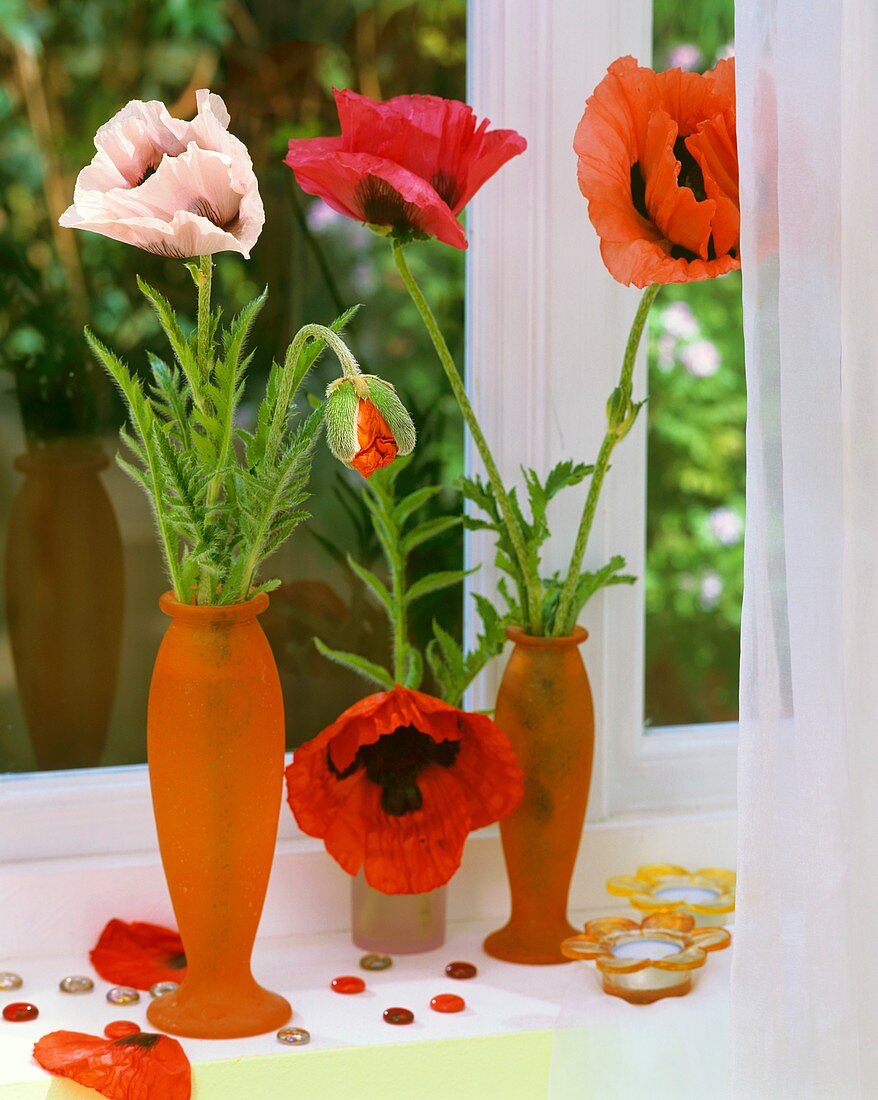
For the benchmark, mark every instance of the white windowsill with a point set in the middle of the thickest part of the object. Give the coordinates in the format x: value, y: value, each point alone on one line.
x: 517, y: 1020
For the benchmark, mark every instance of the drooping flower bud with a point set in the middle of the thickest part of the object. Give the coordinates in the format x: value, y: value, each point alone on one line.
x: 367, y: 425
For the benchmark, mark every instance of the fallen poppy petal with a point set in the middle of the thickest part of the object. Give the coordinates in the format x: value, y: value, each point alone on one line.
x: 142, y: 1066
x: 139, y: 954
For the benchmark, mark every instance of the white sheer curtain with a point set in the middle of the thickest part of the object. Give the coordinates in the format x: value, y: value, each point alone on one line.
x: 805, y: 968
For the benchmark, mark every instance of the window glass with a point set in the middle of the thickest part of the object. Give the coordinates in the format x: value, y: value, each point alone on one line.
x: 79, y: 624
x: 695, y: 495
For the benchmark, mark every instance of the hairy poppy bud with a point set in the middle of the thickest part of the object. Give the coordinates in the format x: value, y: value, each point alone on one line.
x: 367, y: 425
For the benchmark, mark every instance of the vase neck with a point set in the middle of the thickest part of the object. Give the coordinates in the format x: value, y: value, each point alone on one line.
x: 213, y: 614
x: 521, y: 638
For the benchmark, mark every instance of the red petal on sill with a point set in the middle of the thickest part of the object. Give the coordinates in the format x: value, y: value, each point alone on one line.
x: 139, y: 954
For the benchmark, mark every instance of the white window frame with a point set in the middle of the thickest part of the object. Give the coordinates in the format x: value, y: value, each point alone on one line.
x: 546, y: 327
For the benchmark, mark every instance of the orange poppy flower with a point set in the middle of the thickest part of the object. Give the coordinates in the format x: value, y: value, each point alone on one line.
x: 139, y: 954
x: 377, y: 444
x: 141, y: 1066
x: 397, y: 782
x: 658, y: 164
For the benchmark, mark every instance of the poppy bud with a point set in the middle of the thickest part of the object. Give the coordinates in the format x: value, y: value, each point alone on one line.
x: 622, y: 412
x: 367, y: 425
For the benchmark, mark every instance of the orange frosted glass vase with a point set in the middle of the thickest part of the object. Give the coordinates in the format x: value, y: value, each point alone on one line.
x: 544, y: 707
x: 215, y: 741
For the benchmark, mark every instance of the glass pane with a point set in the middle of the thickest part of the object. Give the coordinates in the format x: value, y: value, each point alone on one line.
x: 79, y: 623
x: 695, y: 488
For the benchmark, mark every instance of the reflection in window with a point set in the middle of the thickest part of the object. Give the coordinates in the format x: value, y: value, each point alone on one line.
x: 695, y: 487
x: 79, y: 624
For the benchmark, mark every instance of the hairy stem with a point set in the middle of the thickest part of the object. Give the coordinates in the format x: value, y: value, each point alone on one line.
x: 205, y: 280
x: 293, y: 378
x: 566, y: 614
x: 532, y: 603
x: 400, y: 632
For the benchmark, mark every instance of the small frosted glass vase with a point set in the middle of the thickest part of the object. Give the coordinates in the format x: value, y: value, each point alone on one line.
x: 396, y: 924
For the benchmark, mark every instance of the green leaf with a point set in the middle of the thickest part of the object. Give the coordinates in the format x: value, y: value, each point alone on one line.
x: 171, y: 326
x: 414, y: 668
x: 378, y: 588
x: 413, y: 501
x: 375, y: 674
x: 435, y: 582
x: 430, y: 529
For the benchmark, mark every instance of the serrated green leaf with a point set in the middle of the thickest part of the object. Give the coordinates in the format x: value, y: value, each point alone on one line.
x: 375, y: 674
x: 413, y: 502
x: 376, y: 586
x: 435, y: 582
x: 430, y: 529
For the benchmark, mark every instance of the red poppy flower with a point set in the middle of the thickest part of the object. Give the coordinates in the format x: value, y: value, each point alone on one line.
x: 658, y: 164
x: 410, y: 164
x: 141, y: 1066
x: 377, y: 445
x: 397, y: 782
x: 139, y: 954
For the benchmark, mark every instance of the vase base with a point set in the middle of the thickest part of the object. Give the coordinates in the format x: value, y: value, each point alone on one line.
x: 530, y: 946
x: 224, y: 1014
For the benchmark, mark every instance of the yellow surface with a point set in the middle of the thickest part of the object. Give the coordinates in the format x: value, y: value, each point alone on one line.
x: 498, y: 1067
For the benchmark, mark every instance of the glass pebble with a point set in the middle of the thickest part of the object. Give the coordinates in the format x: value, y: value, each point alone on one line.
x: 448, y: 1002
x: 123, y: 995
x: 376, y: 962
x: 293, y: 1036
x: 348, y: 983
x: 161, y: 988
x: 399, y: 1016
x: 8, y: 980
x: 119, y: 1029
x: 20, y: 1011
x: 76, y: 983
x: 461, y: 970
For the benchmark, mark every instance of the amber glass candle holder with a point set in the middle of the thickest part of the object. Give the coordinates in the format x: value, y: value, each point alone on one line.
x: 708, y: 895
x: 646, y: 962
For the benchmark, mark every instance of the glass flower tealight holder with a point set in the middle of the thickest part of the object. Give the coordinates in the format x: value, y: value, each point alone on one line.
x: 646, y: 962
x: 708, y: 895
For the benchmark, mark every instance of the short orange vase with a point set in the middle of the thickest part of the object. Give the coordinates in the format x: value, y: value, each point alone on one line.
x: 215, y: 741
x: 544, y: 706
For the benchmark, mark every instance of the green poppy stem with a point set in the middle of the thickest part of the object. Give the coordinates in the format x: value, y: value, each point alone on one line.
x: 531, y: 584
x: 567, y: 611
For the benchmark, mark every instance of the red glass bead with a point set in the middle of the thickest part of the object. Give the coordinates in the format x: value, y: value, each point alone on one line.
x: 398, y: 1016
x: 448, y: 1002
x: 461, y: 970
x: 20, y: 1011
x: 348, y: 983
x: 118, y: 1029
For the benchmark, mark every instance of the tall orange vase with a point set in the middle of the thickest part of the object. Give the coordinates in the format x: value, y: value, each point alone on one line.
x: 545, y: 708
x: 215, y: 737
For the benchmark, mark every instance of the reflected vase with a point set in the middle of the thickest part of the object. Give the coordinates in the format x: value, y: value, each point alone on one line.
x: 396, y: 924
x: 544, y: 706
x: 215, y: 743
x: 64, y: 602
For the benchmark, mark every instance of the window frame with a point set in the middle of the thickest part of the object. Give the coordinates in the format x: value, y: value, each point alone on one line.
x: 530, y: 241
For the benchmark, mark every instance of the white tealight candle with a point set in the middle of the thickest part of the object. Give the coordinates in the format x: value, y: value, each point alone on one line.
x: 694, y: 895
x: 645, y: 949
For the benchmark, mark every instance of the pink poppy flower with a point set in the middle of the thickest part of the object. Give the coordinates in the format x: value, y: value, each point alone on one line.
x: 169, y: 186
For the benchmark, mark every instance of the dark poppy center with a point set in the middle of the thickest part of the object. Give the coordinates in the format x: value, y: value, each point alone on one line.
x: 381, y: 204
x: 690, y: 175
x: 638, y: 191
x: 447, y: 188
x: 145, y: 1039
x: 395, y: 761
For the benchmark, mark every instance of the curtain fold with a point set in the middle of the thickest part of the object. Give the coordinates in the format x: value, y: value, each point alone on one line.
x: 805, y: 968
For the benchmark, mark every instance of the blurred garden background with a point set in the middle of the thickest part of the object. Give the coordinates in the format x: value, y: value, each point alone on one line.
x: 66, y: 66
